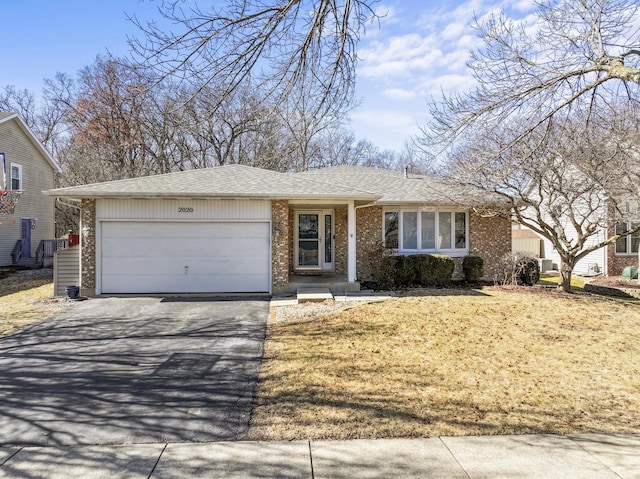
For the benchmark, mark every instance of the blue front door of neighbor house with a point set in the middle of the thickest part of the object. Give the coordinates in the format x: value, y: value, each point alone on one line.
x: 26, y: 237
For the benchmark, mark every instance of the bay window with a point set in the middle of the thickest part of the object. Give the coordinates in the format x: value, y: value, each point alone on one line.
x: 391, y: 229
x: 414, y: 230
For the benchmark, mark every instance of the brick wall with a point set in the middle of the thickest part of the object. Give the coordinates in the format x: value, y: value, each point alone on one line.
x: 617, y: 263
x: 88, y: 245
x: 280, y: 245
x: 491, y: 240
x: 341, y: 233
x: 368, y: 238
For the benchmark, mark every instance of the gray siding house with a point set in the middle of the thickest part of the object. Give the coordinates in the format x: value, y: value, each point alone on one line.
x: 29, y: 168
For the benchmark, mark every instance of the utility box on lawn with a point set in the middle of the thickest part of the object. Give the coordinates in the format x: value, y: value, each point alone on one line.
x: 630, y: 272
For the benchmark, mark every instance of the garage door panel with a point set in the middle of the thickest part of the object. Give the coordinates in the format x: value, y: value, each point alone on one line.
x: 165, y: 257
x: 190, y: 284
x: 165, y: 250
x: 183, y: 230
x: 176, y: 266
x: 185, y: 248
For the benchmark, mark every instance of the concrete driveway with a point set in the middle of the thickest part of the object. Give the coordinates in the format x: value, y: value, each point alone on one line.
x: 133, y: 370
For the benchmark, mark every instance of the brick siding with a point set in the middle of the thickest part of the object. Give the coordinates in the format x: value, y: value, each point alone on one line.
x: 368, y: 238
x: 88, y: 251
x: 491, y: 240
x: 341, y: 232
x: 280, y: 245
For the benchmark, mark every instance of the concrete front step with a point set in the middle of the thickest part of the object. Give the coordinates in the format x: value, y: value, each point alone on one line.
x: 310, y: 295
x: 330, y: 285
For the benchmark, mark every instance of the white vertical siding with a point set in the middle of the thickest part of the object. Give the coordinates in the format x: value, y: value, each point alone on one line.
x: 183, y: 210
x: 586, y: 264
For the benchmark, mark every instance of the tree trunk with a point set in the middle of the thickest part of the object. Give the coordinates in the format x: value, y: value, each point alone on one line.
x: 565, y: 277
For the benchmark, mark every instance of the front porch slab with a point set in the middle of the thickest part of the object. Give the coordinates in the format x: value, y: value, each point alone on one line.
x: 309, y: 295
x: 336, y: 283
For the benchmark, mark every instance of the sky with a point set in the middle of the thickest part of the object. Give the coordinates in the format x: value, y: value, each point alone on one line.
x: 417, y: 50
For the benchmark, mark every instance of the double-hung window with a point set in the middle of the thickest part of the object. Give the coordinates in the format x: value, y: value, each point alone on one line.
x: 429, y: 231
x: 16, y: 176
x: 627, y: 244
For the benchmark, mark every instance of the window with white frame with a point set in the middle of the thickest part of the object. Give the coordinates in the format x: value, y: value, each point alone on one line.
x: 627, y: 244
x: 16, y: 176
x: 414, y: 230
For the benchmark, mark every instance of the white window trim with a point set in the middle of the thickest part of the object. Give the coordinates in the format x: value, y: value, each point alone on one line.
x: 627, y: 240
x: 401, y: 251
x: 19, y: 167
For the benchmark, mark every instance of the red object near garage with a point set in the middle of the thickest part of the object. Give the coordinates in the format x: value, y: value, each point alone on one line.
x: 74, y: 239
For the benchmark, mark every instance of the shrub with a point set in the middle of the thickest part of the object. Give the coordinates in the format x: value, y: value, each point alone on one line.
x: 382, y: 267
x: 518, y: 269
x: 432, y: 269
x: 405, y: 272
x: 527, y: 270
x: 473, y: 268
x: 393, y: 272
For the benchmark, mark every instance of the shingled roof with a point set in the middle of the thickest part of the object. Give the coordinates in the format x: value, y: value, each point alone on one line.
x: 396, y: 187
x: 229, y: 181
x: 361, y: 184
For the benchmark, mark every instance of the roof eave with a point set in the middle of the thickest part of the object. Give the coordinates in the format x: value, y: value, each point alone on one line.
x: 168, y: 195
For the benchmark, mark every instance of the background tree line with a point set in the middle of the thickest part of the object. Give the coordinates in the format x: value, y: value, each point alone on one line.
x: 115, y: 120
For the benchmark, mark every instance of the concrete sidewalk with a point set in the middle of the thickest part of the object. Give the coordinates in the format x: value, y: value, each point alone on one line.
x: 540, y: 456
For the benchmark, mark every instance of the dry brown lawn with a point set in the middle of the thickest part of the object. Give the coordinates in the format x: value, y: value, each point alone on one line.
x: 25, y: 298
x: 495, y: 361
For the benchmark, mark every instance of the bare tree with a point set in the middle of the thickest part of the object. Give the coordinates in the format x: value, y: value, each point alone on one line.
x: 44, y: 117
x: 569, y: 184
x: 279, y: 43
x: 532, y: 128
x: 578, y: 54
x: 105, y: 119
x: 19, y: 101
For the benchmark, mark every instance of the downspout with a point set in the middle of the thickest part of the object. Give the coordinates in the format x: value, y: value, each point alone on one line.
x: 59, y: 200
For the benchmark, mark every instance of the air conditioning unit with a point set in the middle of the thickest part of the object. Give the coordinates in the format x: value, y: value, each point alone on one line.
x: 545, y: 265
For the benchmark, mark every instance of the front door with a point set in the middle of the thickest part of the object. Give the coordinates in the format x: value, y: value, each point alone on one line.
x: 25, y: 236
x: 314, y: 240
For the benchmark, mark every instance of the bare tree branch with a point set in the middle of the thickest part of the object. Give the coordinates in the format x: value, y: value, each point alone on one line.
x: 279, y: 43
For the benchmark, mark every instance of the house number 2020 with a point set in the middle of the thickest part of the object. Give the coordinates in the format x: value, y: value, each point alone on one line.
x: 185, y: 209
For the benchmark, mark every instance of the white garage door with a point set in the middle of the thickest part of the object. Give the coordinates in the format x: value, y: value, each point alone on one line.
x: 170, y: 257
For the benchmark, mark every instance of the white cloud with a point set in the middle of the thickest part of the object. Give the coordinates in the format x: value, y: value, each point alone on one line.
x: 453, y: 30
x: 418, y: 52
x: 399, y: 94
x: 399, y: 56
x: 445, y: 83
x: 524, y: 6
x: 386, y: 128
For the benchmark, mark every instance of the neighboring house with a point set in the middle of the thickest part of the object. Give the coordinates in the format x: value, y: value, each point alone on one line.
x: 524, y: 241
x: 30, y: 169
x: 242, y: 229
x: 624, y: 252
x: 609, y: 261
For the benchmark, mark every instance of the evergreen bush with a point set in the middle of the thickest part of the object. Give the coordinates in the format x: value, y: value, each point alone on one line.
x: 472, y: 268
